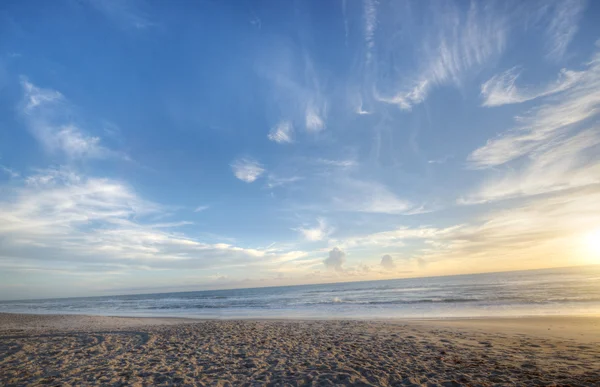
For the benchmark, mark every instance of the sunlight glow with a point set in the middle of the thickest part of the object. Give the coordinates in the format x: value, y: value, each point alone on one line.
x: 592, y: 241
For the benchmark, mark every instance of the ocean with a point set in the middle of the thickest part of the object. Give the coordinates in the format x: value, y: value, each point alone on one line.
x: 563, y: 291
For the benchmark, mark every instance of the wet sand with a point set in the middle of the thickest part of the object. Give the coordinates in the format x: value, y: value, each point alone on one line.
x: 115, y: 351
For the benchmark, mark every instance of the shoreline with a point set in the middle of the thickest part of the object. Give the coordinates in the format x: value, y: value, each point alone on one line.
x: 147, y: 351
x: 577, y: 327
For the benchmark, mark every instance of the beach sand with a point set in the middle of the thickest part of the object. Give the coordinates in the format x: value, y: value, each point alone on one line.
x: 115, y: 351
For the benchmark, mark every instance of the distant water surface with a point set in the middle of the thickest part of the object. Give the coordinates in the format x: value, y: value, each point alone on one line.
x: 565, y: 291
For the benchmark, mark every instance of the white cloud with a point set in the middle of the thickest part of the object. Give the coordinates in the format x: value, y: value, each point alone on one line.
x: 10, y: 172
x: 563, y: 26
x: 367, y: 196
x: 126, y: 13
x: 547, y: 122
x: 345, y: 163
x: 543, y: 230
x: 314, y: 118
x: 392, y: 238
x: 360, y: 111
x: 370, y: 16
x: 35, y: 96
x: 247, y: 169
x: 335, y: 260
x: 201, y: 208
x: 47, y: 115
x: 501, y: 89
x: 458, y: 44
x: 278, y: 181
x: 387, y: 262
x: 282, y: 132
x: 554, y: 147
x: 318, y: 233
x: 62, y: 220
x: 563, y: 163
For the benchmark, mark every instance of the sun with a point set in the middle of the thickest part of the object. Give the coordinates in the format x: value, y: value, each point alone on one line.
x: 592, y: 241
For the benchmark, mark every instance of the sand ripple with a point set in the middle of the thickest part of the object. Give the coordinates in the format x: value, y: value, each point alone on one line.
x: 228, y: 353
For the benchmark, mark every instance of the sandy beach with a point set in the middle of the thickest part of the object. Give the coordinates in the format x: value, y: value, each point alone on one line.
x: 63, y: 350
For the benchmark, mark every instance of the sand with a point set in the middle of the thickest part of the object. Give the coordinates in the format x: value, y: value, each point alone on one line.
x: 113, y: 351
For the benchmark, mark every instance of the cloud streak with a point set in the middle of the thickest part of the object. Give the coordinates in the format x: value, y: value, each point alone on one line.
x: 502, y: 90
x: 47, y: 115
x: 282, y: 133
x: 60, y: 217
x: 562, y: 26
x: 542, y: 124
x: 318, y: 233
x: 247, y: 169
x: 462, y: 42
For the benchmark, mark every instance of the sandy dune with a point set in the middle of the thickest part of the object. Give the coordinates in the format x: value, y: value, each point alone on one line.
x: 85, y: 350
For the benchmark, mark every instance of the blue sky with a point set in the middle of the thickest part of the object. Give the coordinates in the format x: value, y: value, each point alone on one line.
x: 164, y: 146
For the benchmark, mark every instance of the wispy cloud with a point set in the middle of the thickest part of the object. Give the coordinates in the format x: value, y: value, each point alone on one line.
x: 247, y: 169
x: 201, y: 208
x: 554, y: 147
x: 501, y: 89
x: 9, y: 171
x: 545, y: 228
x: 460, y: 43
x: 543, y: 127
x: 344, y: 163
x: 125, y: 13
x: 282, y: 132
x: 370, y: 19
x: 392, y: 238
x: 48, y: 116
x: 562, y: 163
x: 317, y: 233
x: 562, y: 26
x: 60, y: 217
x: 359, y: 109
x: 274, y: 181
x: 314, y: 118
x: 355, y: 195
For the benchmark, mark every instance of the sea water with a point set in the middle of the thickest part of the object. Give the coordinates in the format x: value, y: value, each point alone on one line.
x: 564, y: 291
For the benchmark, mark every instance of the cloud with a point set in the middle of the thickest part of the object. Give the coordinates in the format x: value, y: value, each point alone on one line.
x: 541, y: 230
x: 553, y: 147
x: 247, y: 169
x: 201, y: 208
x: 367, y: 196
x: 359, y: 108
x: 347, y: 163
x: 59, y: 220
x: 35, y: 96
x: 274, y: 181
x: 335, y: 260
x: 546, y: 122
x: 441, y: 160
x: 562, y: 26
x: 314, y: 118
x: 501, y: 89
x: 48, y: 117
x: 393, y: 238
x: 125, y: 13
x: 282, y: 132
x: 10, y: 172
x: 458, y: 44
x: 387, y: 262
x: 370, y: 19
x: 318, y: 233
x: 563, y: 163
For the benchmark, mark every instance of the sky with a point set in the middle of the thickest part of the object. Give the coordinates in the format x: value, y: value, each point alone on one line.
x: 153, y: 146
